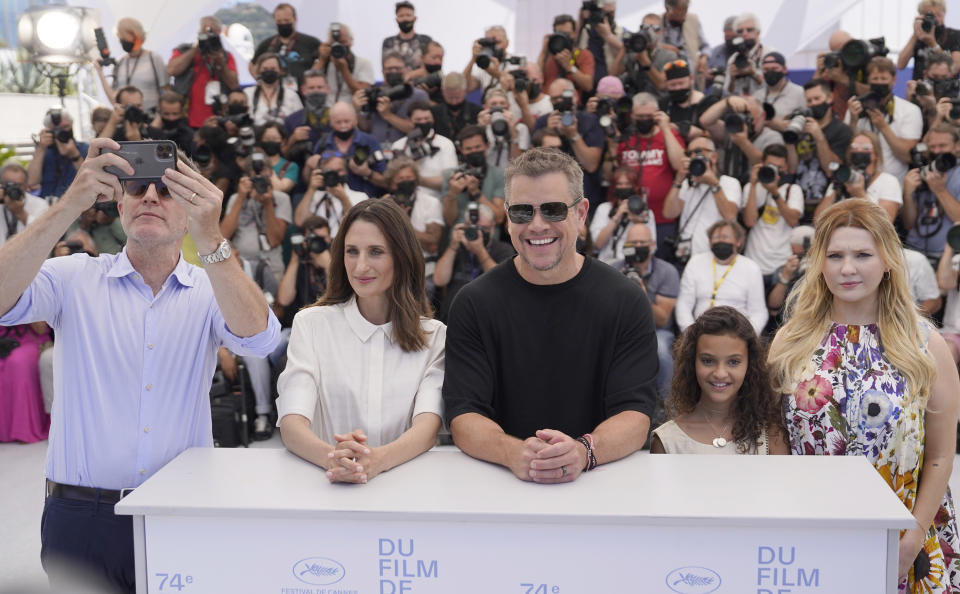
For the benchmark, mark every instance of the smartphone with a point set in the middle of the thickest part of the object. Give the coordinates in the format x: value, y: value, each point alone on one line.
x: 149, y: 158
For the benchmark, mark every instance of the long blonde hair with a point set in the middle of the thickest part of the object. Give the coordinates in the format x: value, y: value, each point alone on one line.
x: 809, y: 303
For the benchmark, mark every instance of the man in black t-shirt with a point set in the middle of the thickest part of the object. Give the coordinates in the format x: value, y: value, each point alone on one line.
x: 551, y: 358
x: 824, y: 140
x: 408, y: 43
x: 930, y: 35
x: 297, y: 51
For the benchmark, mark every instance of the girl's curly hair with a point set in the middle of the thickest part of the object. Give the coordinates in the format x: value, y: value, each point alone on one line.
x: 757, y: 406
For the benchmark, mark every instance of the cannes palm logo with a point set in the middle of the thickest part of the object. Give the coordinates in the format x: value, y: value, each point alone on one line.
x: 693, y: 580
x: 318, y: 571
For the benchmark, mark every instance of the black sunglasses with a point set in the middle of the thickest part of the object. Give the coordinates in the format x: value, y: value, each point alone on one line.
x: 552, y: 212
x: 138, y: 187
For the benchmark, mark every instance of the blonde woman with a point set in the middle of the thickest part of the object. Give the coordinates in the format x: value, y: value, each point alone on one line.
x: 864, y: 375
x: 138, y: 67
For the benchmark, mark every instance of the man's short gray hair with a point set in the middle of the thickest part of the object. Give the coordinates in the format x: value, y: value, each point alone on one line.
x: 13, y: 166
x: 496, y: 28
x: 541, y: 161
x: 747, y: 17
x: 454, y: 81
x: 645, y: 99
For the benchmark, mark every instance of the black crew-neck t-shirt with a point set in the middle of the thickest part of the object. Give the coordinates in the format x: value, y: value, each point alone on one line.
x: 565, y: 356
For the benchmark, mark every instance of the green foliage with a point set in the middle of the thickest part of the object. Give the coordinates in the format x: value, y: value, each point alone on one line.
x: 7, y: 153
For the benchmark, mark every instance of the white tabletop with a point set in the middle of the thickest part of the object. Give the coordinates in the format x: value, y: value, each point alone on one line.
x: 449, y: 485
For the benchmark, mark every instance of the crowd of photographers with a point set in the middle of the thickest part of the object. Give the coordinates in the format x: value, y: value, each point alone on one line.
x: 693, y: 156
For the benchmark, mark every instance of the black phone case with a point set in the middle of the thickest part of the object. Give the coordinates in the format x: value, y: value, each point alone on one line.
x: 149, y: 158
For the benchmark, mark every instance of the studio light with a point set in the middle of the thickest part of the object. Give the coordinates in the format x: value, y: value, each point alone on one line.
x: 58, y: 34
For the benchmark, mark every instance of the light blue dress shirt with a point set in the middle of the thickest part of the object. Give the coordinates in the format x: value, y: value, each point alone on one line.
x: 132, y: 371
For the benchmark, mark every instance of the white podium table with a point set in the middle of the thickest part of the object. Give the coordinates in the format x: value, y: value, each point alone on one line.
x: 264, y: 521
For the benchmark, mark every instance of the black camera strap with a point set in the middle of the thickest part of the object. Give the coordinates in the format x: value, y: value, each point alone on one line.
x: 12, y: 222
x: 683, y: 224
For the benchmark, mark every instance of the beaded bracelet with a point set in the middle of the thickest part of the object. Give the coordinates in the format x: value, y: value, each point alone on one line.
x: 591, y: 458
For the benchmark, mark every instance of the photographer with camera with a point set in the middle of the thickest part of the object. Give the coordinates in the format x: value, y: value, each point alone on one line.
x: 699, y: 197
x: 408, y: 44
x: 18, y: 207
x: 307, y: 126
x: 425, y: 212
x: 433, y: 153
x: 625, y: 207
x: 128, y: 120
x: 284, y: 174
x: 929, y: 36
x: 256, y: 217
x: 661, y: 282
x: 384, y: 109
x: 785, y: 96
x: 365, y: 162
x: 474, y: 181
x: 328, y: 194
x: 214, y: 157
x: 738, y: 125
x: 772, y: 208
x: 488, y: 60
x: 560, y: 60
x: 506, y: 137
x: 57, y: 155
x: 203, y: 70
x: 787, y: 275
x: 819, y: 142
x: 305, y: 279
x: 170, y: 122
x: 428, y: 77
x: 683, y: 33
x: 138, y: 67
x: 296, y: 51
x: 102, y: 225
x: 931, y: 193
x: 598, y: 32
x: 744, y: 75
x: 455, y: 112
x: 898, y: 122
x: 862, y: 176
x: 580, y: 134
x: 684, y: 104
x: 640, y: 64
x: 937, y: 83
x: 345, y: 72
x: 270, y: 99
x: 948, y: 278
x: 720, y: 54
x: 472, y: 251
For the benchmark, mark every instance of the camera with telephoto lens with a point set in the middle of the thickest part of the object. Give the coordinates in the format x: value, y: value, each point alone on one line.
x: 242, y: 143
x: 929, y: 22
x: 719, y: 80
x: 738, y: 47
x: 417, y: 146
x: 632, y: 261
x: 841, y: 174
x: 498, y: 123
x: 558, y: 42
x: 521, y: 83
x: 856, y: 53
x: 594, y: 12
x: 208, y: 41
x: 52, y: 120
x: 466, y: 169
x: 941, y: 163
x: 135, y: 115
x: 643, y: 40
x: 831, y: 60
x: 472, y: 231
x: 13, y: 190
x: 488, y: 50
x: 768, y: 174
x: 637, y: 205
x: 258, y: 165
x: 304, y: 246
x: 565, y: 107
x: 735, y: 122
x: 698, y: 166
x: 337, y: 49
x: 949, y: 87
x: 870, y: 101
x: 431, y: 81
x: 798, y: 119
x: 332, y: 178
x: 394, y: 93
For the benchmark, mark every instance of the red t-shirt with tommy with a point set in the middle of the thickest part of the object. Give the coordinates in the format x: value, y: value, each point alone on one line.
x: 199, y: 110
x: 648, y: 156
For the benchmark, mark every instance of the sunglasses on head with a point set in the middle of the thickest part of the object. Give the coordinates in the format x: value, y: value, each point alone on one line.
x: 552, y: 212
x: 138, y: 187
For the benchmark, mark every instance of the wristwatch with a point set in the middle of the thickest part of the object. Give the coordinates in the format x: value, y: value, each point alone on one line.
x: 222, y: 253
x: 715, y: 189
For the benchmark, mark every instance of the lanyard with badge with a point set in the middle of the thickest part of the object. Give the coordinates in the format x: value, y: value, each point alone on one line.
x: 717, y: 283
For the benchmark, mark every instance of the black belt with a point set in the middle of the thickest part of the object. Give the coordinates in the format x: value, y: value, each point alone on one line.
x: 90, y: 494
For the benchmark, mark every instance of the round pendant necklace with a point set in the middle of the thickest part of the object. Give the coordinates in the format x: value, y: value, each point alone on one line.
x: 719, y: 441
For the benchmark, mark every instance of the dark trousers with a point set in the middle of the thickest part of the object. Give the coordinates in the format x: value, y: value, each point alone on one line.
x: 85, y: 544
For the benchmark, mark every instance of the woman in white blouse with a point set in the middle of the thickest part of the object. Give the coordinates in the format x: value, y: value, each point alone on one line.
x: 270, y: 99
x: 361, y: 391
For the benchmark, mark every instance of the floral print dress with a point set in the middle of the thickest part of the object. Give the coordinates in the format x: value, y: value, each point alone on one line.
x: 849, y: 402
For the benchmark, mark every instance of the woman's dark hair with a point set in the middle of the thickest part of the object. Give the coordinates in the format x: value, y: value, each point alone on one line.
x: 631, y: 174
x: 757, y: 406
x: 276, y: 126
x: 407, y: 295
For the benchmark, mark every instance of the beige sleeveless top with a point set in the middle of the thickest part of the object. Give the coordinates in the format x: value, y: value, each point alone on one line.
x: 675, y: 441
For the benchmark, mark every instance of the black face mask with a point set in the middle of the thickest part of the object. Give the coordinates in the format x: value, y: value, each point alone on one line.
x: 236, y: 108
x: 644, y: 125
x: 533, y: 90
x: 405, y: 26
x: 315, y: 102
x: 171, y: 124
x: 425, y: 128
x: 880, y: 90
x: 126, y: 45
x: 749, y: 43
x: 772, y: 77
x: 622, y: 193
x: 818, y: 111
x: 679, y: 95
x: 475, y: 159
x: 431, y: 68
x: 343, y: 134
x: 721, y: 250
x: 860, y: 160
x: 642, y: 252
x: 393, y: 79
x: 269, y: 76
x: 407, y: 187
x: 270, y: 148
x: 285, y: 30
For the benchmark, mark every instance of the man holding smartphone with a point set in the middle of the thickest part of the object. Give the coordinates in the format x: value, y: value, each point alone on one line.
x: 137, y: 339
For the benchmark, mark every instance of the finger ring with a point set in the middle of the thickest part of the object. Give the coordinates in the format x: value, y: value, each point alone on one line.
x: 193, y: 198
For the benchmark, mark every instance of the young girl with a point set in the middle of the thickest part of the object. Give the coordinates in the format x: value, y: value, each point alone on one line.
x: 721, y: 400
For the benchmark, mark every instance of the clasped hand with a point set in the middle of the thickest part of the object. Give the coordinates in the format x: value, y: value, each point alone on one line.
x: 550, y: 457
